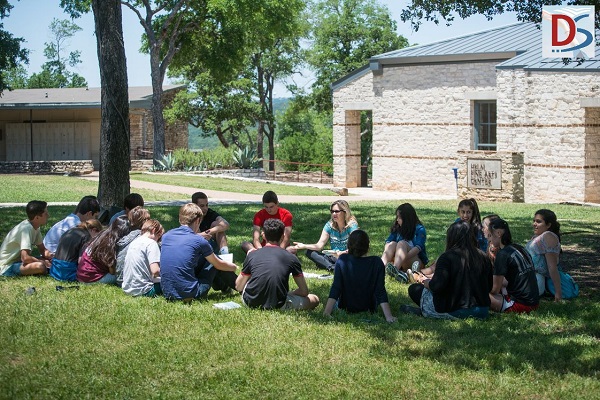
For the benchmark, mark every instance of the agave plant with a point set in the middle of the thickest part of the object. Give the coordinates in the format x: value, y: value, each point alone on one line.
x: 246, y: 158
x: 167, y: 163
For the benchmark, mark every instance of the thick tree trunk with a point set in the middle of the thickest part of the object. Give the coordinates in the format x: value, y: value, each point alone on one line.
x: 114, y: 129
x: 158, y: 119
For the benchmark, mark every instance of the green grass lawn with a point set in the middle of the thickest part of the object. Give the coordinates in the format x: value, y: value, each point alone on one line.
x: 96, y: 342
x: 230, y: 185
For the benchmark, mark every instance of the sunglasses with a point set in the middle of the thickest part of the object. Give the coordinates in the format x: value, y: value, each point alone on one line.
x: 336, y: 211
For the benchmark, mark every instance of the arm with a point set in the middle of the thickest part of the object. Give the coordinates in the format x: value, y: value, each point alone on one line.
x: 287, y: 234
x: 385, y: 307
x: 256, y: 237
x: 329, y: 307
x: 552, y: 261
x: 155, y: 269
x: 302, y: 286
x: 241, y: 281
x: 316, y: 246
x: 47, y: 254
x: 27, y: 258
x: 219, y: 225
x: 497, y: 284
x: 221, y: 265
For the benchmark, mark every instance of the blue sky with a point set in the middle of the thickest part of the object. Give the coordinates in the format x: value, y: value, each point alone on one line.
x: 30, y: 20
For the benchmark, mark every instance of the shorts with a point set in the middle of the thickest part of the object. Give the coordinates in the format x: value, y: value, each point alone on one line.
x: 294, y: 302
x: 13, y: 270
x: 511, y: 306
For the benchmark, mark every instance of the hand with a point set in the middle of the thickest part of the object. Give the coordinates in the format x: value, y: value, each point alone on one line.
x: 299, y: 245
x: 206, y: 235
x: 391, y: 320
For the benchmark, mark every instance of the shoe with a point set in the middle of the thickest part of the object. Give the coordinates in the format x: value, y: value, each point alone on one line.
x: 411, y: 276
x: 391, y: 270
x: 402, y: 277
x: 406, y: 309
x: 415, y: 266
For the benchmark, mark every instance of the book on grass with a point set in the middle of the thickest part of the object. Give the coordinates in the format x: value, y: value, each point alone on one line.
x: 229, y: 305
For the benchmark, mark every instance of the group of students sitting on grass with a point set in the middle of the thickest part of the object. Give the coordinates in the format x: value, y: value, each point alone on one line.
x: 481, y: 267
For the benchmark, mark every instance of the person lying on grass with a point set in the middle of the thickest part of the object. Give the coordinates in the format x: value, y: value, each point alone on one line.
x: 359, y: 280
x: 514, y: 271
x: 15, y: 252
x: 264, y: 279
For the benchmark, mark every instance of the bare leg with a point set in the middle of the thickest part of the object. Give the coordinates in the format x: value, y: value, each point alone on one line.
x: 389, y: 252
x: 401, y: 259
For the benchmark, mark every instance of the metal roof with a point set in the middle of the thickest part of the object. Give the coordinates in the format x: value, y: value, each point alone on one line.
x: 139, y: 97
x: 513, y: 46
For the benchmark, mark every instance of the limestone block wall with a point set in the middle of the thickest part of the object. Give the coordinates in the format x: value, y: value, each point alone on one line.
x: 75, y: 167
x: 421, y: 119
x: 512, y: 176
x: 142, y: 130
x: 539, y: 114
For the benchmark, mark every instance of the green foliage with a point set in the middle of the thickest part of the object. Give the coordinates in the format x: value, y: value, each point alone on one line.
x: 11, y: 53
x: 531, y: 10
x: 187, y: 160
x: 54, y: 72
x: 246, y: 158
x: 306, y: 136
x: 166, y: 163
x: 346, y: 33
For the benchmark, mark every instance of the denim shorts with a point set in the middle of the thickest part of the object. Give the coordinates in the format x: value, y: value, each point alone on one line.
x: 13, y: 270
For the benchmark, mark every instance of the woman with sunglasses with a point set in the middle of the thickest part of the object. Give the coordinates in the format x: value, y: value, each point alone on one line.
x: 336, y: 231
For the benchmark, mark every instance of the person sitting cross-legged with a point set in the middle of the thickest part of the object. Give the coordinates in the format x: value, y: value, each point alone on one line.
x: 264, y: 280
x: 513, y: 271
x: 188, y: 265
x: 15, y: 252
x: 213, y: 226
x: 359, y: 280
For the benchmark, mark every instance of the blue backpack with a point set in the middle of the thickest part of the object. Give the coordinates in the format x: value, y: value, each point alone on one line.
x: 568, y: 286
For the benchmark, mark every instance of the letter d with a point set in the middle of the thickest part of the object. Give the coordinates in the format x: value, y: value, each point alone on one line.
x: 572, y: 29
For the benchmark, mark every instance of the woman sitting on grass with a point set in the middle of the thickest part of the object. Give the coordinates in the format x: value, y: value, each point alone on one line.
x: 462, y: 282
x: 405, y: 246
x: 142, y: 263
x: 336, y: 231
x: 359, y: 280
x: 544, y: 248
x: 97, y: 263
x: 70, y: 246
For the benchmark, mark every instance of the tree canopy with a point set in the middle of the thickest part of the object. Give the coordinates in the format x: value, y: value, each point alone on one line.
x: 345, y: 34
x: 530, y: 10
x: 11, y: 53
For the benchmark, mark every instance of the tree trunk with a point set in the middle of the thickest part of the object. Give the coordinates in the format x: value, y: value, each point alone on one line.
x: 158, y: 119
x: 114, y: 128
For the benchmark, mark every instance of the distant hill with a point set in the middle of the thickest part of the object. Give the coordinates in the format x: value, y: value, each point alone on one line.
x: 197, y: 142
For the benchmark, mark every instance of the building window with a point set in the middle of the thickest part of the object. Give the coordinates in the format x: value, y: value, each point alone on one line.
x: 485, y: 125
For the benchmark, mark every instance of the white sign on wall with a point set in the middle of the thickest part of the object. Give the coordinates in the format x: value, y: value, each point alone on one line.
x: 485, y: 174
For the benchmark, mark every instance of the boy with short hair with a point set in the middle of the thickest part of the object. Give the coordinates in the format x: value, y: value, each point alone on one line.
x: 15, y: 252
x: 88, y: 208
x: 142, y: 262
x: 271, y: 210
x: 188, y: 265
x: 131, y: 201
x: 213, y: 225
x: 264, y: 279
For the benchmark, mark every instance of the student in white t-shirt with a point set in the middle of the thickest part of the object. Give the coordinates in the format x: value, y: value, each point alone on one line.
x: 142, y: 263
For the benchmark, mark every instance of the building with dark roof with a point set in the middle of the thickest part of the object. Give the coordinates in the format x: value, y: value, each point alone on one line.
x: 64, y: 124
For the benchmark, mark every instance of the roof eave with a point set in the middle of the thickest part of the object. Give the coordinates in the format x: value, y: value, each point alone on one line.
x: 377, y: 63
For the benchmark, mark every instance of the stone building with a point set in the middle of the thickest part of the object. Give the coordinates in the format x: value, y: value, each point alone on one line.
x: 63, y: 125
x: 482, y: 115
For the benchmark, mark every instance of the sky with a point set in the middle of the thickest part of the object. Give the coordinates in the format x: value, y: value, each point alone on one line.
x: 30, y: 19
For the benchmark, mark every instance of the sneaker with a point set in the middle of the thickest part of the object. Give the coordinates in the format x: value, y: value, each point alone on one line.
x: 402, y: 277
x: 391, y: 270
x: 411, y: 276
x: 406, y: 309
x: 415, y: 266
